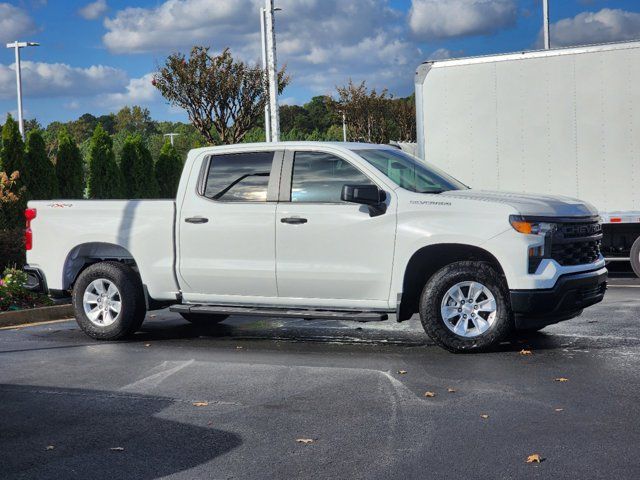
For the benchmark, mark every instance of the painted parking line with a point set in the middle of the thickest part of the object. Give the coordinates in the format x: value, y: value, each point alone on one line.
x: 623, y: 286
x: 35, y: 324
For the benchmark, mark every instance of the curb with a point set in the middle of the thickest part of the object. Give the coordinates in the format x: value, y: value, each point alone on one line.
x: 33, y: 315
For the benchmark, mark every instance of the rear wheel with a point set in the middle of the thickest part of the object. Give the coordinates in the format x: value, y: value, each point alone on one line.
x: 108, y: 301
x: 464, y: 307
x: 635, y: 256
x: 203, y: 319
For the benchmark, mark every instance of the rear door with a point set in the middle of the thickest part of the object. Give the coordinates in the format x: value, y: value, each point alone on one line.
x: 226, y: 229
x: 329, y: 252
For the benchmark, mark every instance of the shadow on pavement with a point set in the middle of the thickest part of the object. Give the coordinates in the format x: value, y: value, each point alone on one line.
x: 84, y: 425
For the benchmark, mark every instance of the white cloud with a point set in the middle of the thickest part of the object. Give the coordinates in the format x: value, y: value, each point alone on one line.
x: 607, y: 25
x: 94, y: 10
x: 437, y: 19
x: 14, y: 23
x: 322, y: 42
x: 139, y: 91
x: 178, y: 23
x: 41, y: 79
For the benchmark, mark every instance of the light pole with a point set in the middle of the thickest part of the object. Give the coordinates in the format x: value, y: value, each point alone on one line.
x: 17, y: 46
x: 267, y: 107
x: 271, y: 69
x: 344, y: 126
x: 171, y: 135
x: 545, y: 17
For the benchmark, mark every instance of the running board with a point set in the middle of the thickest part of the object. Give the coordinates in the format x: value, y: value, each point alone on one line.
x: 357, y: 316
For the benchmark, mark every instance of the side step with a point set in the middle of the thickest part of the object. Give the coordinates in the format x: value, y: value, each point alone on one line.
x: 357, y: 316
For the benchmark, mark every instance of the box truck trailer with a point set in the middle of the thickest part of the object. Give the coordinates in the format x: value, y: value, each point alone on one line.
x: 562, y: 122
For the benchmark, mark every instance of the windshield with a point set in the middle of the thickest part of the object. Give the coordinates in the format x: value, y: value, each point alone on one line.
x: 409, y: 172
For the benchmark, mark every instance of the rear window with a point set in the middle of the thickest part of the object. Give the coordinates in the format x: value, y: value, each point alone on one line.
x: 239, y: 177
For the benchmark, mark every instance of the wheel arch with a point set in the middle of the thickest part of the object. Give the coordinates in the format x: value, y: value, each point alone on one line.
x: 427, y: 261
x: 86, y: 254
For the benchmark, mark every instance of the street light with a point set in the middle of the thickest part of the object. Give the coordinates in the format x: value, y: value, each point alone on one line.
x: 171, y: 135
x: 271, y: 69
x: 17, y: 46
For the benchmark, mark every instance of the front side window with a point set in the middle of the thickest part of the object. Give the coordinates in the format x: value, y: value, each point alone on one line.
x: 239, y: 177
x: 409, y: 172
x: 319, y: 177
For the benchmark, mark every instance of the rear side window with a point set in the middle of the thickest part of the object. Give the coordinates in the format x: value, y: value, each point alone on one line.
x: 319, y: 177
x: 239, y: 177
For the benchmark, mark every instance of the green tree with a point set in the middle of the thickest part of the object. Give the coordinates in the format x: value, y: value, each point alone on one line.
x: 168, y: 171
x: 69, y: 167
x: 39, y: 174
x: 12, y: 153
x: 134, y: 120
x: 136, y: 164
x: 219, y: 93
x: 104, y: 176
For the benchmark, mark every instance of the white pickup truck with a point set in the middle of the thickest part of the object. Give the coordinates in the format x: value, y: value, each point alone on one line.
x: 321, y: 230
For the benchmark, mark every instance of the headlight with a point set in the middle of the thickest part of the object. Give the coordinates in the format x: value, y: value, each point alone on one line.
x: 520, y: 224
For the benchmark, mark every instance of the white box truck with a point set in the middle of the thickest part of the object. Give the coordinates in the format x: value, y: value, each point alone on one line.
x: 561, y: 122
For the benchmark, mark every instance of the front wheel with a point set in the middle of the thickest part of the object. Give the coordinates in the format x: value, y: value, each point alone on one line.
x: 465, y: 307
x: 108, y: 301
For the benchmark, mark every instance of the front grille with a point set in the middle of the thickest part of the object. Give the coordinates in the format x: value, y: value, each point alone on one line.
x: 576, y: 243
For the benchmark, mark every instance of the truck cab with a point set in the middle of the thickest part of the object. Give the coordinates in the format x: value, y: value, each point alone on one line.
x: 323, y: 230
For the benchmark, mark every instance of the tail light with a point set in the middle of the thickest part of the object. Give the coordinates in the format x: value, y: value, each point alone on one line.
x: 29, y: 214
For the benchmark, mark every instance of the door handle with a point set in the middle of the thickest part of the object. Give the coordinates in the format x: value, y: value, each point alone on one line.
x: 294, y: 220
x: 196, y: 220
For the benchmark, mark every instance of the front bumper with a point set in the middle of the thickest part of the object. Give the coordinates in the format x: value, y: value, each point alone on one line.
x: 571, y: 294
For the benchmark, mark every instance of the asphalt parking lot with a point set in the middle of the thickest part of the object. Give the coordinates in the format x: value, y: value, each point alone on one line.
x: 232, y: 401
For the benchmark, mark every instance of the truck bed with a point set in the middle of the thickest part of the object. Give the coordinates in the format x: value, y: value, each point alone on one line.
x: 77, y: 229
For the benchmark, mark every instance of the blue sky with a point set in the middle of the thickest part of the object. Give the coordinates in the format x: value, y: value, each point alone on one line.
x: 97, y: 56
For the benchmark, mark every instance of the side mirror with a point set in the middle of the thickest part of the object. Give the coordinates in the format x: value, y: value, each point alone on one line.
x: 369, y: 195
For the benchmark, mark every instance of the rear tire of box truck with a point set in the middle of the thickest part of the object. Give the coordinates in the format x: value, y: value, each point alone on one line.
x: 109, y: 301
x: 635, y: 256
x: 465, y: 307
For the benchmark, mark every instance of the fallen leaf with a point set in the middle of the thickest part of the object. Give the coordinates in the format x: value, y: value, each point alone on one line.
x: 304, y: 440
x: 147, y: 344
x: 451, y: 390
x: 484, y: 415
x: 429, y: 394
x: 559, y: 409
x: 401, y: 372
x: 561, y: 379
x: 200, y: 404
x: 152, y: 316
x: 117, y: 449
x: 534, y: 458
x: 50, y: 447
x: 525, y: 352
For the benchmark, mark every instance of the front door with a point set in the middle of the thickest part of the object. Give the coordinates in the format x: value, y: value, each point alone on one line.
x: 329, y: 252
x: 226, y: 229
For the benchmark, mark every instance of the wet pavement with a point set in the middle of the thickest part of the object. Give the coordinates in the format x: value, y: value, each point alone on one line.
x: 75, y: 408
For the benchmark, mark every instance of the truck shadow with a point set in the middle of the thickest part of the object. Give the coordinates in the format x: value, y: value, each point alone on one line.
x: 68, y: 433
x: 271, y: 330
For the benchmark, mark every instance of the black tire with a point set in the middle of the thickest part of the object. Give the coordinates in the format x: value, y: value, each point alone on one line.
x: 203, y: 318
x: 635, y: 257
x: 435, y: 291
x: 133, y: 307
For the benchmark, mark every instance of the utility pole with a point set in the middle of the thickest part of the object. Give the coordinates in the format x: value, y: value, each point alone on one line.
x: 272, y: 72
x: 344, y: 126
x: 17, y: 46
x: 267, y: 107
x: 171, y: 135
x: 545, y: 16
